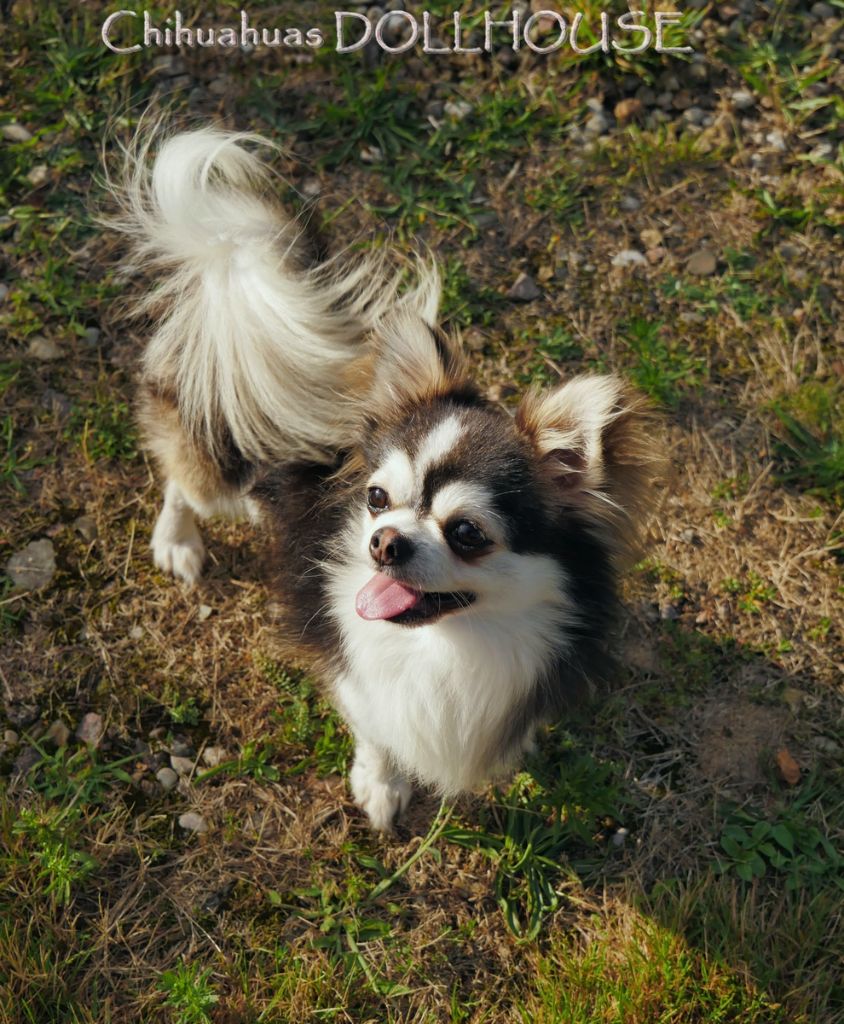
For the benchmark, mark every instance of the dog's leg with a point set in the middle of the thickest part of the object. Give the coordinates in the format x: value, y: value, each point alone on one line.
x: 377, y: 787
x: 176, y: 544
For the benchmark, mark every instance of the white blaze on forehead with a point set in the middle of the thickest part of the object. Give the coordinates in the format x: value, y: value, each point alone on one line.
x: 395, y: 475
x: 438, y: 444
x: 462, y: 498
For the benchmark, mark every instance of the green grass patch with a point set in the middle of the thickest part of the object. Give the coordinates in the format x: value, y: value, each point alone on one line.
x: 810, y: 444
x: 545, y: 829
x: 103, y: 428
x: 639, y: 972
x: 657, y: 362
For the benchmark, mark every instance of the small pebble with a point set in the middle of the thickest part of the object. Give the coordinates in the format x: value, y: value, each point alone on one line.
x: 822, y: 11
x: 458, y: 109
x: 91, y: 336
x: 630, y: 203
x: 14, y: 132
x: 4, y: 291
x: 136, y: 633
x: 193, y: 822
x: 10, y: 738
x: 698, y: 72
x: 58, y: 733
x: 524, y: 289
x: 181, y: 765
x: 181, y: 749
x: 21, y: 714
x: 597, y: 124
x: 694, y: 115
x: 650, y: 237
x: 86, y: 527
x: 776, y: 140
x: 628, y: 258
x: 38, y: 175
x: 56, y: 402
x: 44, y: 349
x: 742, y: 99
x: 474, y: 340
x: 28, y: 758
x: 688, y: 536
x: 33, y: 567
x: 669, y: 612
x: 212, y: 756
x: 703, y: 263
x: 90, y: 730
x: 627, y: 109
x: 205, y: 612
x: 167, y: 778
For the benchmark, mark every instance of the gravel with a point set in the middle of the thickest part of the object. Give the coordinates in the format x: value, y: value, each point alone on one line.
x: 44, y: 349
x: 34, y: 566
x: 524, y: 289
x: 86, y: 527
x: 702, y: 263
x: 58, y: 733
x: 91, y: 729
x: 15, y: 132
x: 742, y: 99
x: 167, y: 779
x: 458, y: 109
x: 182, y: 765
x: 629, y: 258
x: 193, y: 822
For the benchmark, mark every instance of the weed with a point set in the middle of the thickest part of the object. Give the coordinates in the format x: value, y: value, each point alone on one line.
x: 76, y: 777
x: 810, y: 449
x: 103, y: 428
x: 752, y: 593
x: 253, y: 761
x: 306, y: 722
x: 182, y: 710
x: 12, y: 463
x: 60, y: 866
x: 463, y: 301
x: 190, y: 993
x: 640, y: 971
x: 792, y: 846
x: 549, y: 352
x: 546, y: 818
x: 657, y: 363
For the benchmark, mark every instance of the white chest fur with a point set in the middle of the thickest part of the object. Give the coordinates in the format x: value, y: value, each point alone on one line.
x: 436, y: 697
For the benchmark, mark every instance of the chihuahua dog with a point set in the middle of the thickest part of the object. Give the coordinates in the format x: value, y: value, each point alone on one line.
x: 447, y: 569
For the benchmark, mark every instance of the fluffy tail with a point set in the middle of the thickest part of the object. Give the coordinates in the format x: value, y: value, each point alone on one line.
x: 256, y: 348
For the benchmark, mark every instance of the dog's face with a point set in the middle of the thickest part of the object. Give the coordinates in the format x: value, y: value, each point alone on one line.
x: 463, y: 512
x: 451, y: 518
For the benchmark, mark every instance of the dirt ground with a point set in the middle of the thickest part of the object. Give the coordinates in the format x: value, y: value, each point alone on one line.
x: 178, y: 840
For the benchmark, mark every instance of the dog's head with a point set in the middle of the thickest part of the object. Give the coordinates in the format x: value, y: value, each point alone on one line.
x: 464, y: 509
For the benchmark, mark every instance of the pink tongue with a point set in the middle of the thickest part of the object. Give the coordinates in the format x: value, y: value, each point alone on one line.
x: 383, y: 598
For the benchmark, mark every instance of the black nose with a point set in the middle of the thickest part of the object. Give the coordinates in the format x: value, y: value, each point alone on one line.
x: 388, y: 547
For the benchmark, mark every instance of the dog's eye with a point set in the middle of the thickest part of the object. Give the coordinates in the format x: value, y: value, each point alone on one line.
x: 377, y: 499
x: 464, y: 536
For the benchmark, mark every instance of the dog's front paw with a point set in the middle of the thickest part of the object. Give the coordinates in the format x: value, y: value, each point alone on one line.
x: 181, y: 554
x: 381, y: 795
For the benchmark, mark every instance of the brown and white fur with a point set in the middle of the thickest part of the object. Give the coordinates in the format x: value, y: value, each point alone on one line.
x: 449, y: 570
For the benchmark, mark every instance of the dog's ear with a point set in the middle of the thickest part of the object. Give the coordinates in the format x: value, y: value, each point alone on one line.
x: 597, y: 447
x: 415, y: 360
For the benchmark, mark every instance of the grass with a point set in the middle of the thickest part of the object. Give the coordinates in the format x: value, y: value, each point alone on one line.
x: 648, y: 864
